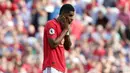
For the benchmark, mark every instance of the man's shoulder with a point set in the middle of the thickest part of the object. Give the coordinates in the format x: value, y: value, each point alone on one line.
x: 51, y: 23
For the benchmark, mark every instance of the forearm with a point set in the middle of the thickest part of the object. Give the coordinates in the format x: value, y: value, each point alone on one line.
x: 55, y: 42
x: 67, y: 42
x: 61, y: 37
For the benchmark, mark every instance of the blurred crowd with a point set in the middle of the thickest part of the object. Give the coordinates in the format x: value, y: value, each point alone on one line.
x: 100, y: 35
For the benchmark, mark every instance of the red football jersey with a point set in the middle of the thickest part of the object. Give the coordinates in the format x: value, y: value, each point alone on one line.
x: 53, y: 57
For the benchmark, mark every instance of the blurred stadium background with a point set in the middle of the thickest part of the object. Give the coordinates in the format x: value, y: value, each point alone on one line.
x: 100, y: 34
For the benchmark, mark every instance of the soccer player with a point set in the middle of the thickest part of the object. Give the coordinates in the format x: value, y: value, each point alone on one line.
x: 57, y: 39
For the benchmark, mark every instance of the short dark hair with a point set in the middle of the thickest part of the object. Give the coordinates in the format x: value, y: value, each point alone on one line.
x: 66, y: 8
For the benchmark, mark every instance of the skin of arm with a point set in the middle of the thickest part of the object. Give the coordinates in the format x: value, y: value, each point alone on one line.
x: 55, y: 42
x: 67, y: 42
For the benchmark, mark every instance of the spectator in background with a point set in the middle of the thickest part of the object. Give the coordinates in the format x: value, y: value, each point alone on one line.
x: 127, y: 35
x: 78, y: 8
x: 112, y: 15
x: 124, y: 17
x: 56, y: 10
x: 101, y: 20
x: 25, y: 13
x: 39, y: 15
x: 109, y: 3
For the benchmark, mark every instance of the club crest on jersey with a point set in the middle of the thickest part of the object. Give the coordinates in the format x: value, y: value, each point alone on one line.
x: 52, y: 31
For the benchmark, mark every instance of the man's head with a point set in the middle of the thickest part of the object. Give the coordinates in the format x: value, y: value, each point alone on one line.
x: 100, y: 15
x: 67, y: 11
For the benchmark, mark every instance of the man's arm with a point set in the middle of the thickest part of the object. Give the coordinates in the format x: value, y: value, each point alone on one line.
x: 67, y: 42
x: 55, y: 42
x: 65, y: 27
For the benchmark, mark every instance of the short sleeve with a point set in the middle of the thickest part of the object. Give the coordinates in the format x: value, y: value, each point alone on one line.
x: 51, y: 30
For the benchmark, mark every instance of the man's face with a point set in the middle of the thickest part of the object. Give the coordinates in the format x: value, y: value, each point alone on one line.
x: 100, y: 15
x: 69, y: 16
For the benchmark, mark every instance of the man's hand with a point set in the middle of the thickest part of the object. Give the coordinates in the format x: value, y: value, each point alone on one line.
x: 68, y: 33
x: 65, y: 23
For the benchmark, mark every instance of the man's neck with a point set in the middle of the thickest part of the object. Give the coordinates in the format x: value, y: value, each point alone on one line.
x: 59, y: 21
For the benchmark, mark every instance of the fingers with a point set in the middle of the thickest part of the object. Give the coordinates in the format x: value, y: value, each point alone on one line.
x: 66, y: 20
